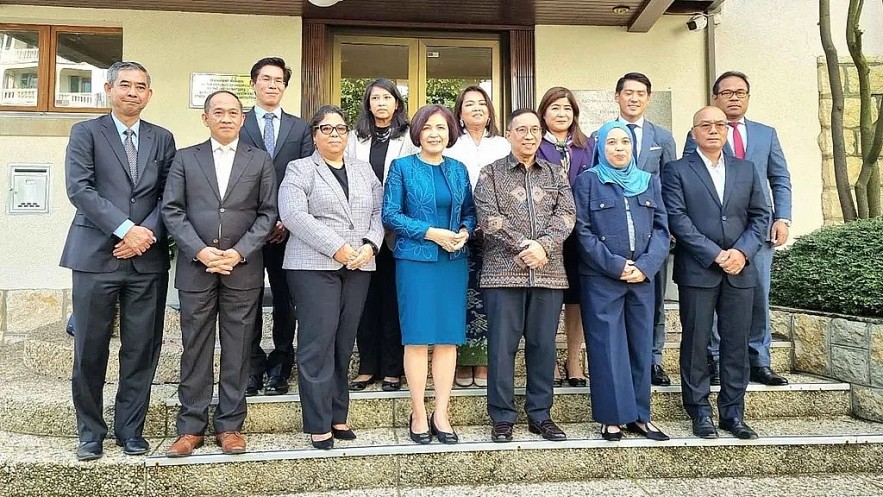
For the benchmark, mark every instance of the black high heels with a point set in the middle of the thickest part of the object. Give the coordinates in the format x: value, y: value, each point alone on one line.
x: 443, y: 436
x: 326, y: 444
x: 656, y: 434
x: 610, y: 436
x: 424, y: 438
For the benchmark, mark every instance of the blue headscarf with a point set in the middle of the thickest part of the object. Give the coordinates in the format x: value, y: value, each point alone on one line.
x: 632, y: 180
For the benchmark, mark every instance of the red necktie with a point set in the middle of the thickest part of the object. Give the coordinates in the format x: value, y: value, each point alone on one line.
x: 738, y: 144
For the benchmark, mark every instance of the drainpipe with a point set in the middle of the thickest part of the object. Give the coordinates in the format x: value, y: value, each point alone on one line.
x: 710, y: 54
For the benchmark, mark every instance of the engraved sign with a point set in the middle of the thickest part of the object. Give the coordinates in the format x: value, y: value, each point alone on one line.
x: 596, y: 107
x: 204, y: 84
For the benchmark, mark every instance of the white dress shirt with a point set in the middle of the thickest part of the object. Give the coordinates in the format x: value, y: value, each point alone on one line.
x: 717, y: 171
x: 476, y: 156
x: 223, y: 155
x: 639, y: 132
x: 262, y: 123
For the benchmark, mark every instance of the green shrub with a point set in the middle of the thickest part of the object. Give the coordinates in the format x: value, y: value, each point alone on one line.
x: 833, y: 269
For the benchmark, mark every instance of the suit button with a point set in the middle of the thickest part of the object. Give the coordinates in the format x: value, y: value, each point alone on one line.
x: 603, y: 237
x: 602, y: 206
x: 647, y: 203
x: 352, y: 227
x: 215, y: 240
x: 723, y: 218
x: 223, y: 210
x: 132, y: 200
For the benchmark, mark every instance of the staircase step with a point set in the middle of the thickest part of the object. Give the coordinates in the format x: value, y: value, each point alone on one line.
x: 49, y: 352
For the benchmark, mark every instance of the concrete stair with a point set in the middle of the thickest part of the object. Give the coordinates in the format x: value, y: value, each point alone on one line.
x: 806, y: 428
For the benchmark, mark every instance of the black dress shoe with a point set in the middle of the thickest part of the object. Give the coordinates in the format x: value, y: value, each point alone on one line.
x: 358, y: 386
x: 70, y: 326
x: 656, y: 435
x: 610, y: 436
x: 714, y: 372
x: 89, y: 451
x: 443, y: 436
x: 347, y: 434
x: 765, y: 375
x: 134, y: 446
x: 255, y: 384
x: 276, y: 385
x: 391, y: 386
x: 577, y: 382
x: 501, y: 432
x: 424, y: 438
x: 703, y: 427
x: 738, y: 428
x: 548, y: 429
x: 326, y: 444
x: 658, y: 376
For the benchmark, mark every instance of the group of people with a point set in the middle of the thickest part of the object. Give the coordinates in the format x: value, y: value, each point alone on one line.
x: 441, y: 233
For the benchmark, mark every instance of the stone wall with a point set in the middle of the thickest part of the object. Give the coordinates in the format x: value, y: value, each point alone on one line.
x: 846, y: 348
x: 24, y: 310
x: 852, y: 107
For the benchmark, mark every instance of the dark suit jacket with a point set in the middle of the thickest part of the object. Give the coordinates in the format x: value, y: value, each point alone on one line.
x: 766, y: 153
x: 295, y: 140
x: 99, y: 185
x: 197, y: 217
x: 580, y: 158
x: 703, y: 225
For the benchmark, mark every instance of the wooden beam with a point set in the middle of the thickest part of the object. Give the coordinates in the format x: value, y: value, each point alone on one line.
x: 648, y: 16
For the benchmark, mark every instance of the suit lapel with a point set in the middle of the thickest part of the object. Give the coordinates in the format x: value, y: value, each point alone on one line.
x: 699, y: 169
x: 113, y: 139
x: 751, y: 130
x: 284, y: 129
x: 145, y: 148
x: 328, y: 177
x: 207, y: 163
x: 241, y: 159
x: 253, y: 130
x: 646, y: 141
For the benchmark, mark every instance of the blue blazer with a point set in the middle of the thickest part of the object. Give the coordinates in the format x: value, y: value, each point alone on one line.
x: 409, y: 206
x: 766, y: 153
x: 703, y: 225
x: 602, y: 227
x: 580, y: 158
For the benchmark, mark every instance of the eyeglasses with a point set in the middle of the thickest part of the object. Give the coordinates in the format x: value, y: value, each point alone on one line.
x: 327, y: 129
x: 728, y: 94
x: 266, y: 80
x: 706, y: 126
x: 522, y: 131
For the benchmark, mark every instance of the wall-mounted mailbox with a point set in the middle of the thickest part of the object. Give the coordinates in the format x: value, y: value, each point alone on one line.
x: 28, y: 189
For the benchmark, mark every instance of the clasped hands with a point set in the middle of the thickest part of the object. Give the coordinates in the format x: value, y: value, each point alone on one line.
x: 136, y: 241
x: 447, y: 239
x: 219, y: 261
x: 533, y: 255
x: 354, y: 259
x: 631, y: 273
x: 731, y: 261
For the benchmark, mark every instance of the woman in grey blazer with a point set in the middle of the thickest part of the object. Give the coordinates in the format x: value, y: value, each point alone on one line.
x: 331, y: 205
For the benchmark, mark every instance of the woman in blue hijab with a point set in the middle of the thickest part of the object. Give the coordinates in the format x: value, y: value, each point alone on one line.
x: 623, y: 236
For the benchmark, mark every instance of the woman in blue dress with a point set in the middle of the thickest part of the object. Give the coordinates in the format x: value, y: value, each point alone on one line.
x: 427, y: 203
x: 623, y: 235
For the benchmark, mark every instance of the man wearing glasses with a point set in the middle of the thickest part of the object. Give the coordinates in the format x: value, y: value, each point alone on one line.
x: 719, y: 217
x: 759, y: 144
x: 526, y: 210
x: 286, y: 138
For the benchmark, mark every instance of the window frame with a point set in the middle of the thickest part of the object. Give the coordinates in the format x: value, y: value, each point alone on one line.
x: 47, y: 36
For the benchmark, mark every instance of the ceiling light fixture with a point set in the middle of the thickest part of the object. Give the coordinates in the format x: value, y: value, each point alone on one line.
x: 619, y: 9
x: 324, y: 3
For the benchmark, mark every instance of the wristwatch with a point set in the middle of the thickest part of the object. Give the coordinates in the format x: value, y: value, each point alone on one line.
x: 787, y: 222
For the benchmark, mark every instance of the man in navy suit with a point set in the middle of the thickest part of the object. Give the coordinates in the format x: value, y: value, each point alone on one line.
x: 759, y: 144
x: 286, y: 138
x: 718, y: 215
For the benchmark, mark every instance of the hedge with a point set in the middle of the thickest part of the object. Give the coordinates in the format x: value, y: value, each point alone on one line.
x: 833, y: 269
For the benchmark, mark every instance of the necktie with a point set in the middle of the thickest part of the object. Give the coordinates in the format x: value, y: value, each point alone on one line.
x: 269, y: 133
x: 738, y: 144
x: 131, y: 155
x: 632, y: 127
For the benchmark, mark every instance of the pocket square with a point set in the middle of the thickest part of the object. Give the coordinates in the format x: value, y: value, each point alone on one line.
x: 655, y: 148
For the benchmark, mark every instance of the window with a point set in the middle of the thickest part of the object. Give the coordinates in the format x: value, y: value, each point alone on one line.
x: 56, y: 68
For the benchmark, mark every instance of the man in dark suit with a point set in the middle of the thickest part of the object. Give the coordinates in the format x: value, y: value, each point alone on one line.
x: 286, y: 138
x: 759, y: 144
x: 219, y: 206
x: 717, y: 214
x: 652, y: 146
x: 115, y: 170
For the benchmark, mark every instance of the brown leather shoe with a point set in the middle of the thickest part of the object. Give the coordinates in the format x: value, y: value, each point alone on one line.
x: 185, y: 445
x: 231, y: 442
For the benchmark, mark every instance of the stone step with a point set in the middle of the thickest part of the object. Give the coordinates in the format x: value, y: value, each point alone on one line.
x: 49, y: 352
x: 385, y: 458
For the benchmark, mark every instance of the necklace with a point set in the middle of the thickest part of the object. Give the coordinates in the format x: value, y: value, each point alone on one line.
x: 382, y: 136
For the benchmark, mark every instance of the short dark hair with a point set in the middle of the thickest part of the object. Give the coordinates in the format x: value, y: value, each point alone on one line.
x: 424, y: 113
x: 208, y: 100
x: 365, y: 123
x: 553, y: 94
x: 715, y: 88
x: 323, y: 111
x: 491, y: 127
x: 634, y: 76
x: 520, y: 112
x: 271, y: 61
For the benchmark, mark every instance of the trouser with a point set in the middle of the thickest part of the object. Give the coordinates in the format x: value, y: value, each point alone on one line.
x: 280, y: 361
x: 512, y: 313
x: 379, y: 337
x: 660, y: 281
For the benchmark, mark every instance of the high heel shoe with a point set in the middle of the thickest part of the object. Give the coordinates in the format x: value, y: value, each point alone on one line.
x: 610, y: 436
x: 443, y: 436
x: 656, y: 434
x: 326, y: 444
x: 346, y: 434
x: 424, y: 438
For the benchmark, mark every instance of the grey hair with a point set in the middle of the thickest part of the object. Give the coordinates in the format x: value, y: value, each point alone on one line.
x: 207, y: 106
x: 113, y: 71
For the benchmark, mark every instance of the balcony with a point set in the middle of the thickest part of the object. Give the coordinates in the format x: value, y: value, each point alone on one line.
x: 19, y: 97
x: 80, y: 100
x: 19, y: 56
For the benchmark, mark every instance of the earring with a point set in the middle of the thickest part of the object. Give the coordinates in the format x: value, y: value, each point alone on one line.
x: 462, y: 124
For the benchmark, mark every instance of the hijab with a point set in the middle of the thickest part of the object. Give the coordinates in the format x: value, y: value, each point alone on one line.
x: 632, y: 180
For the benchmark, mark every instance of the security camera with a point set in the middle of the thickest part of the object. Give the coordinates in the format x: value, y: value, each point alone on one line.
x: 697, y: 23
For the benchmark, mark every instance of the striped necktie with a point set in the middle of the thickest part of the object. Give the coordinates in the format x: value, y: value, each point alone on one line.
x: 269, y: 133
